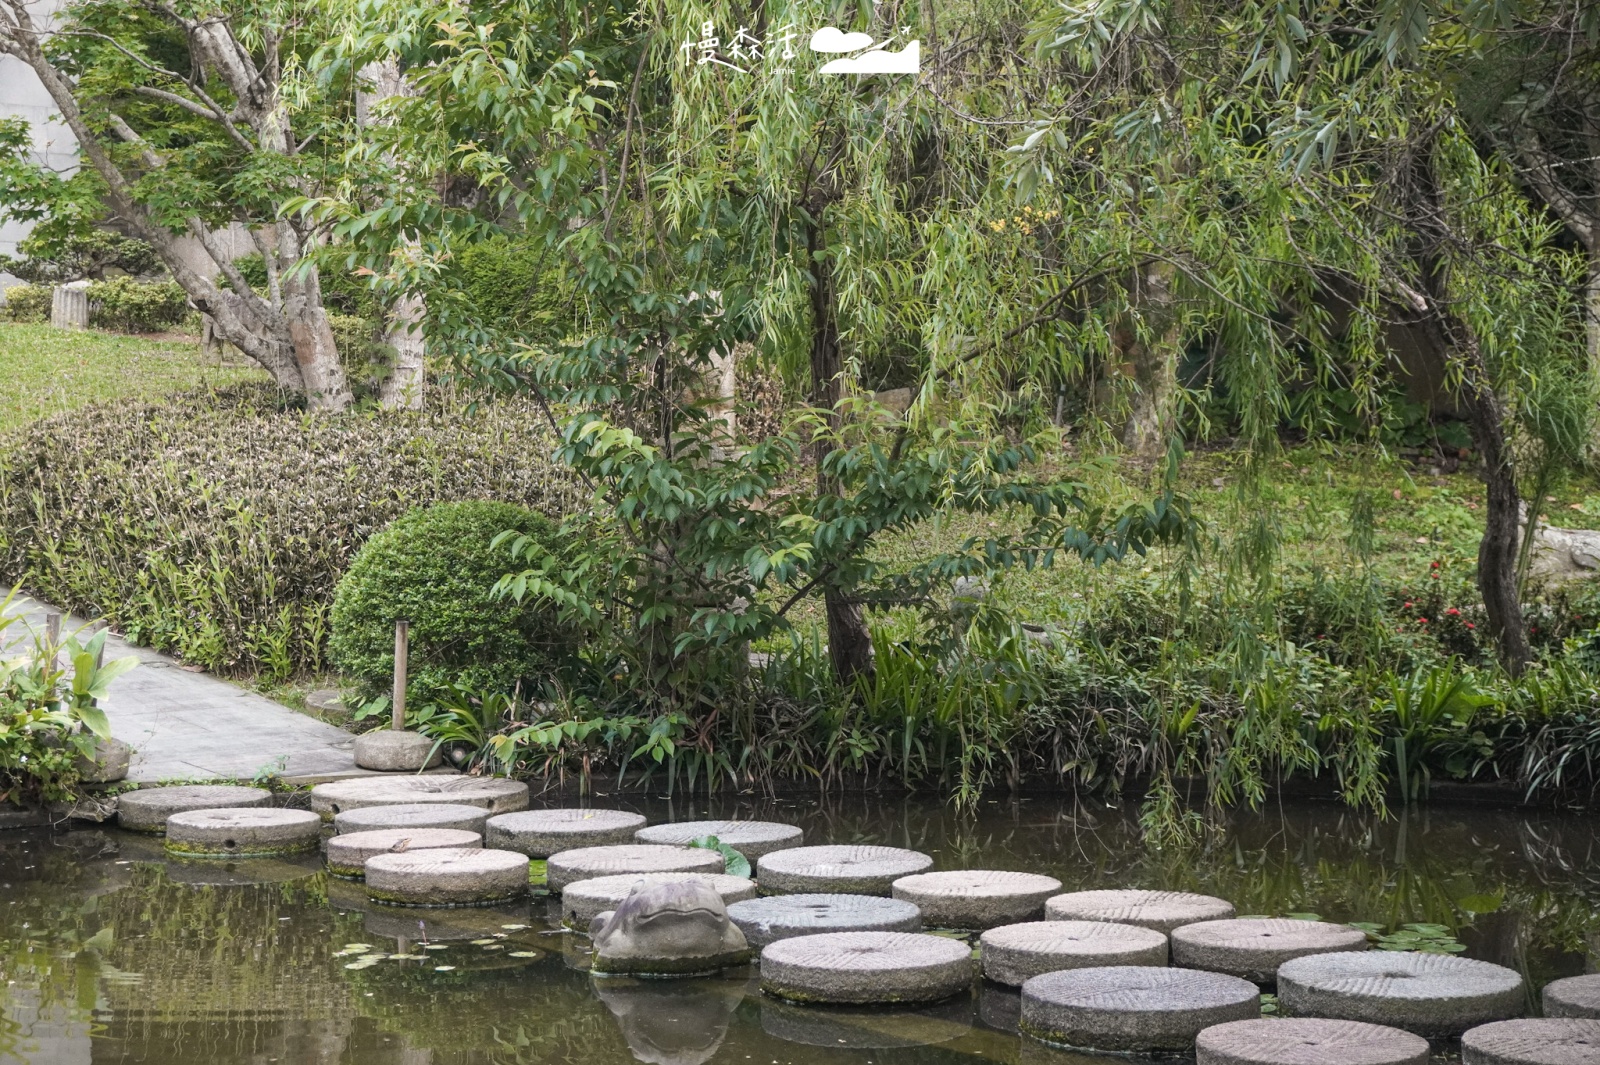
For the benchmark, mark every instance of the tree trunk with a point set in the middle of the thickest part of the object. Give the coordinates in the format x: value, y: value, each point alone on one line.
x: 1150, y: 361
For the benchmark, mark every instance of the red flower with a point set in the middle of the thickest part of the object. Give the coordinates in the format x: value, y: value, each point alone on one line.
x: 1424, y: 621
x: 1408, y: 606
x: 1436, y: 564
x: 1470, y: 625
x: 1452, y: 611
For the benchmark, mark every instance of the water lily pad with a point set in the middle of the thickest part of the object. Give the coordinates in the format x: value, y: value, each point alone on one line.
x: 523, y: 954
x: 481, y: 942
x: 435, y: 946
x: 443, y: 968
x: 513, y: 927
x: 357, y: 946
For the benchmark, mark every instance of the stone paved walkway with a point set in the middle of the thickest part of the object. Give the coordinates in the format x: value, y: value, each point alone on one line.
x: 193, y: 726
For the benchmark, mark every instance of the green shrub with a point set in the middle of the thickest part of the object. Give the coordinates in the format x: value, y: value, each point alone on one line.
x: 435, y: 568
x: 124, y: 305
x: 27, y: 303
x: 514, y: 285
x: 216, y: 525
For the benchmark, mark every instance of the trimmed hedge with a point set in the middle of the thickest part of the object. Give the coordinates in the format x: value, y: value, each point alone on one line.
x: 216, y: 525
x: 121, y: 305
x: 27, y: 303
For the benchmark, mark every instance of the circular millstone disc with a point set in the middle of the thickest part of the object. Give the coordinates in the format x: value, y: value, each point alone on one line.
x: 541, y: 833
x: 588, y: 863
x: 862, y: 967
x: 493, y: 794
x: 1308, y: 1041
x: 1576, y: 996
x: 752, y: 839
x: 582, y: 900
x: 853, y: 870
x: 1161, y: 910
x: 778, y: 917
x: 976, y: 898
x: 1433, y: 995
x: 1133, y: 1007
x: 412, y: 815
x: 462, y: 877
x: 348, y: 853
x: 1547, y: 1041
x: 245, y: 832
x: 147, y: 809
x: 1254, y: 947
x: 1018, y: 952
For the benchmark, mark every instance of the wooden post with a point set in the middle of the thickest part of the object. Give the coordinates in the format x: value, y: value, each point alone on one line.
x: 401, y: 641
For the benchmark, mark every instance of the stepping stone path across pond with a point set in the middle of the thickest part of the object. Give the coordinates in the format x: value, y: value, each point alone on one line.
x: 447, y: 877
x: 541, y: 833
x: 587, y: 863
x: 1133, y: 1007
x: 412, y: 815
x: 1545, y: 1041
x: 349, y: 851
x: 493, y: 794
x: 753, y: 839
x: 1575, y: 996
x: 976, y: 898
x: 244, y: 832
x: 1434, y: 995
x: 1161, y: 910
x: 1016, y: 953
x: 1254, y: 947
x: 850, y: 870
x: 147, y: 809
x: 1308, y: 1041
x: 866, y: 967
x: 584, y: 900
x: 778, y: 917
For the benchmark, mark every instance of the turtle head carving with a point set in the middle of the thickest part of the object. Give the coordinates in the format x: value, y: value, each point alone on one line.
x: 666, y: 929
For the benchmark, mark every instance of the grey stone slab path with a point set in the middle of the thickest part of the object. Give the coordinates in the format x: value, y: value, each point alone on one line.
x: 193, y: 726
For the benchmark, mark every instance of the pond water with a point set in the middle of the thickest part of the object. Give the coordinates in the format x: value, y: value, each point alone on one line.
x: 111, y: 953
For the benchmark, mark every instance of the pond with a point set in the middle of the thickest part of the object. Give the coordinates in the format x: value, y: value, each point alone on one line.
x: 111, y: 953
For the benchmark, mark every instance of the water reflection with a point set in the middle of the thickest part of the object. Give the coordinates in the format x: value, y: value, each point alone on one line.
x: 867, y: 1029
x: 676, y: 1022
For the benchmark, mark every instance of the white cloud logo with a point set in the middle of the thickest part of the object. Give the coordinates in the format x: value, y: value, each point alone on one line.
x: 906, y: 61
x: 830, y: 39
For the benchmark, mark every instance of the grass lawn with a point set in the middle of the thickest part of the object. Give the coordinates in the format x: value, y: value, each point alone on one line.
x: 44, y: 370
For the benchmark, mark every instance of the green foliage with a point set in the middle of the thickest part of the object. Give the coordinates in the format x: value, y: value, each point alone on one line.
x: 513, y: 286
x: 436, y: 568
x: 128, y: 306
x: 27, y: 303
x: 53, y: 259
x: 1416, y: 938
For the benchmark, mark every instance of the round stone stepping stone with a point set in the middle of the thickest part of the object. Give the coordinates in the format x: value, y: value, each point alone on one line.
x: 348, y: 853
x: 976, y: 898
x: 588, y: 863
x: 1133, y: 1007
x: 1434, y: 995
x: 1576, y: 996
x: 583, y: 900
x: 1016, y: 953
x: 849, y: 870
x: 541, y: 833
x: 412, y: 815
x: 753, y: 839
x: 147, y: 809
x: 248, y: 832
x: 1308, y: 1041
x: 1161, y: 910
x: 778, y: 917
x: 1254, y: 947
x: 1545, y: 1041
x: 866, y: 967
x: 493, y: 794
x: 460, y: 877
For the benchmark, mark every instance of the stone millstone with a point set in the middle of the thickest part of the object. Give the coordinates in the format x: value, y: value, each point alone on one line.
x: 475, y: 877
x: 1434, y: 995
x: 866, y: 967
x: 1133, y: 1007
x: 976, y: 898
x: 753, y: 839
x: 1576, y: 996
x: 541, y: 833
x: 147, y: 809
x: 389, y: 751
x: 493, y: 794
x: 852, y: 870
x: 778, y: 917
x: 1161, y: 910
x: 1547, y: 1041
x: 583, y: 900
x: 1018, y: 952
x: 589, y: 863
x: 245, y: 832
x: 1254, y: 947
x: 348, y: 852
x: 1308, y: 1041
x: 412, y: 815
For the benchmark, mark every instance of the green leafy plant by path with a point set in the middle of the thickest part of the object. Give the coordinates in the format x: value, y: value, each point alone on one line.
x: 736, y: 864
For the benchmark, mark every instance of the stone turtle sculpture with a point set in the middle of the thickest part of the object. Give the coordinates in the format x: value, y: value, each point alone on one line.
x: 680, y: 928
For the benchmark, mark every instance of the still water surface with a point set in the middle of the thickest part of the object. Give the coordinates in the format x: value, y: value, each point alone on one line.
x: 111, y: 953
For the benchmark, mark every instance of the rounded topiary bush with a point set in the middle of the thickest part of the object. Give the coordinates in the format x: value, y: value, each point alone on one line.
x: 435, y: 568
